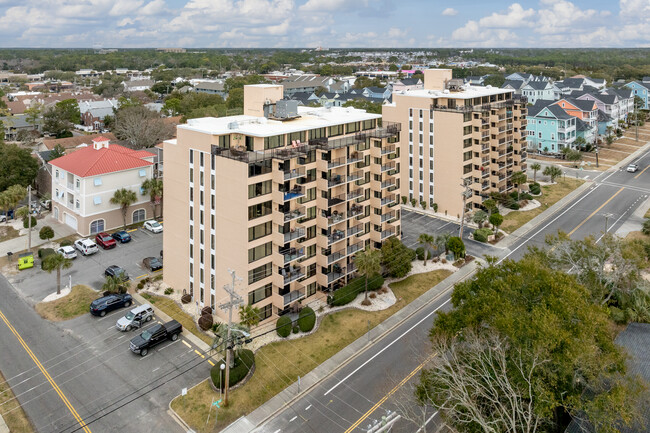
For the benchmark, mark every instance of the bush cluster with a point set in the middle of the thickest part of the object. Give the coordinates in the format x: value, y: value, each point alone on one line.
x: 419, y: 253
x: 481, y: 235
x: 306, y: 319
x: 346, y: 294
x: 26, y: 222
x: 283, y: 326
x: 65, y: 243
x: 44, y: 252
x: 244, y: 361
x: 534, y: 188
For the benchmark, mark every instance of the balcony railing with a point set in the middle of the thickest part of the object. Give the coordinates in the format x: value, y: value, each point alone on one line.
x: 355, y: 210
x: 70, y: 185
x: 355, y: 230
x: 336, y: 180
x: 296, y: 233
x: 388, y: 216
x: 388, y: 149
x: 388, y: 167
x: 485, y: 149
x: 336, y: 273
x: 336, y: 256
x: 355, y: 176
x: 387, y: 233
x: 336, y: 200
x: 295, y: 192
x: 388, y: 183
x: 485, y: 185
x: 292, y: 274
x: 335, y: 236
x: 294, y: 214
x: 294, y: 173
x: 296, y: 295
x: 337, y: 217
x: 337, y: 162
x: 389, y: 200
x: 354, y: 248
x: 355, y: 157
x: 291, y: 254
x: 355, y: 194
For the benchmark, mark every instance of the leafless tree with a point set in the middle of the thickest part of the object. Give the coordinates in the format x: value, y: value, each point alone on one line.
x: 480, y: 382
x: 412, y: 409
x: 141, y: 127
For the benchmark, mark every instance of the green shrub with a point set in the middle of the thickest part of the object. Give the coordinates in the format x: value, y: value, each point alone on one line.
x: 26, y: 222
x: 244, y: 361
x: 397, y: 257
x: 169, y: 291
x: 44, y: 252
x: 306, y: 319
x: 514, y: 195
x: 346, y: 294
x: 419, y: 253
x: 514, y: 206
x: 46, y: 233
x: 296, y: 329
x: 283, y: 326
x: 481, y: 235
x: 429, y: 254
x: 534, y: 188
x: 65, y: 243
x: 526, y: 196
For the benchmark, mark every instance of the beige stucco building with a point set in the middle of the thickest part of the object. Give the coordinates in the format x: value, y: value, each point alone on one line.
x: 84, y: 181
x: 283, y: 195
x: 453, y: 134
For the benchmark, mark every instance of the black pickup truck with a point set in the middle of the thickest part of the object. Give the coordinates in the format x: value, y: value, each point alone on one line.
x: 154, y: 336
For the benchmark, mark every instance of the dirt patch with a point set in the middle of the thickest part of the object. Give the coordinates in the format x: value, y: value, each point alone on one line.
x: 8, y: 232
x: 73, y: 305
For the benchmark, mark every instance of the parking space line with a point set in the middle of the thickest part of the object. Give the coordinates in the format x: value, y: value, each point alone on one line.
x: 162, y: 348
x: 141, y: 276
x: 186, y: 343
x: 132, y: 230
x: 199, y: 353
x: 211, y: 363
x: 108, y: 315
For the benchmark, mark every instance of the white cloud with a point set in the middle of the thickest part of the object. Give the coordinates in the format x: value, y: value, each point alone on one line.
x: 562, y: 15
x: 323, y: 5
x: 450, y: 12
x: 394, y: 32
x: 516, y: 16
x: 154, y: 7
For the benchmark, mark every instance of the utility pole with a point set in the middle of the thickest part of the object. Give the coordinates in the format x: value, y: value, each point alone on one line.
x: 467, y: 193
x: 29, y: 217
x: 596, y: 156
x: 235, y: 300
x: 636, y: 119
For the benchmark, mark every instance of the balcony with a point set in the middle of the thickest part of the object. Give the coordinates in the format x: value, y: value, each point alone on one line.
x: 355, y: 157
x: 485, y: 174
x: 291, y: 254
x: 336, y: 273
x: 296, y: 233
x: 337, y: 217
x: 355, y: 176
x: 388, y: 183
x: 294, y: 173
x: 336, y: 256
x: 355, y: 230
x: 485, y: 149
x: 337, y: 200
x: 355, y: 210
x: 70, y: 185
x: 388, y: 167
x: 388, y: 216
x: 388, y: 150
x: 338, y: 162
x: 388, y: 233
x: 485, y: 185
x: 292, y: 273
x: 293, y: 193
x: 335, y: 236
x: 294, y: 214
x: 294, y: 296
x: 355, y: 194
x: 354, y: 248
x: 389, y: 200
x: 336, y: 180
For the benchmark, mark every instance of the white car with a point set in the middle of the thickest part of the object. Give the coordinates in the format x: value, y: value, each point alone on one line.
x: 632, y: 168
x: 86, y: 246
x: 153, y: 226
x: 68, y: 252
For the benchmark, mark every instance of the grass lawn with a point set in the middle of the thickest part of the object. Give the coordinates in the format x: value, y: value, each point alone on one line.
x: 11, y: 412
x: 279, y: 364
x: 76, y: 303
x: 173, y: 310
x: 8, y: 232
x: 551, y: 194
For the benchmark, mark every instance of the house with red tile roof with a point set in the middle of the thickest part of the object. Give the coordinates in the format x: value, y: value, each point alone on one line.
x: 84, y: 181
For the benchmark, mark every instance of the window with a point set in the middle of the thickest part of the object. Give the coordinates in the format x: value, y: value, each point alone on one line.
x: 259, y: 189
x: 260, y: 231
x: 139, y: 216
x: 311, y: 289
x: 78, y: 184
x: 467, y: 155
x: 97, y: 200
x: 335, y: 130
x: 296, y: 136
x: 260, y: 252
x: 257, y: 274
x: 259, y: 210
x: 76, y: 205
x: 369, y: 124
x: 56, y: 174
x: 97, y: 226
x: 98, y: 181
x: 258, y: 168
x: 260, y: 294
x: 143, y: 172
x: 191, y: 156
x: 317, y: 133
x: 273, y: 142
x: 266, y: 311
x: 467, y: 168
x: 224, y: 141
x: 352, y: 127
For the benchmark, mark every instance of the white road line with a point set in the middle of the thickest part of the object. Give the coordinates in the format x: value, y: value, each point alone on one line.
x: 278, y: 431
x: 293, y: 419
x: 123, y: 335
x: 388, y: 346
x: 163, y: 348
x: 308, y: 407
x: 110, y: 328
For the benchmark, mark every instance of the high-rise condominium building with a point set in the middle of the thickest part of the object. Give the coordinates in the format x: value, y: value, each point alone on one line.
x: 283, y: 195
x: 454, y: 135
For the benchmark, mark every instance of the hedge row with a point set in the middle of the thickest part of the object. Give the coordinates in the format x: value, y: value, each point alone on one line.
x: 346, y: 294
x: 244, y: 361
x: 481, y: 235
x: 306, y: 319
x: 283, y: 326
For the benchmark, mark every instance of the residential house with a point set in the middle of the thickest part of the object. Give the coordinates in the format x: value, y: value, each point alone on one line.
x: 137, y: 85
x: 607, y: 103
x: 605, y: 123
x: 408, y: 84
x: 340, y: 86
x: 475, y: 80
x: 642, y: 90
x: 70, y: 144
x: 519, y: 76
x: 331, y: 100
x: 550, y: 128
x: 598, y: 83
x: 87, y: 73
x: 587, y: 132
x: 537, y: 90
x: 93, y: 113
x: 514, y: 85
x: 211, y: 87
x: 305, y: 83
x: 587, y: 112
x: 377, y: 92
x: 84, y: 181
x: 569, y: 85
x: 625, y: 100
x: 13, y: 125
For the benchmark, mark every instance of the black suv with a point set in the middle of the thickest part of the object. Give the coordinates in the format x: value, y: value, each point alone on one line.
x: 106, y: 304
x: 116, y: 271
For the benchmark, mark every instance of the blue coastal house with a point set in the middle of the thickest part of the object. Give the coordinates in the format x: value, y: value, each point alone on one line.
x: 642, y: 90
x: 550, y: 128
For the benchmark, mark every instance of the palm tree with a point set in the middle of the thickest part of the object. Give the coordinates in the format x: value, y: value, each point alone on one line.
x: 368, y: 264
x: 15, y: 194
x: 428, y: 241
x: 114, y: 284
x: 535, y: 167
x: 442, y: 240
x: 56, y: 262
x: 125, y: 198
x: 153, y: 187
x: 518, y: 178
x: 237, y: 330
x: 553, y: 172
x: 249, y: 316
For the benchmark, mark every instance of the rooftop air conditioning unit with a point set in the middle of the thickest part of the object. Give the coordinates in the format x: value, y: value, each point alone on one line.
x: 233, y: 125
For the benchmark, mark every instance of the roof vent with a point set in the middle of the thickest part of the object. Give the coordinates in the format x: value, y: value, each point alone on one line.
x: 233, y: 125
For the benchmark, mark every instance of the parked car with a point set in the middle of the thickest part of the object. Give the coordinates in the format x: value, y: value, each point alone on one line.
x: 135, y: 318
x: 632, y: 168
x: 86, y: 247
x: 106, y: 304
x: 105, y: 240
x: 3, y: 218
x: 25, y: 260
x: 116, y: 271
x: 154, y: 336
x: 153, y: 226
x: 152, y: 263
x: 122, y: 236
x: 45, y: 204
x: 68, y: 252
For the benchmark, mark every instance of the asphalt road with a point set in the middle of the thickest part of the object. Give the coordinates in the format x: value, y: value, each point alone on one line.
x: 77, y: 373
x: 360, y: 391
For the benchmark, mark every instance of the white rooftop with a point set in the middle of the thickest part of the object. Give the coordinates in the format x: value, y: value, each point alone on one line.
x: 310, y: 118
x: 469, y: 92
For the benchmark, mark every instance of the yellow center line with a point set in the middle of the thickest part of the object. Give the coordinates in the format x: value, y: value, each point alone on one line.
x: 65, y: 400
x: 391, y: 392
x: 647, y: 167
x: 595, y: 212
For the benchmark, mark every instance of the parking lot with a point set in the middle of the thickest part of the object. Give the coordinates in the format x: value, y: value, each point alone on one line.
x: 35, y: 284
x: 415, y: 223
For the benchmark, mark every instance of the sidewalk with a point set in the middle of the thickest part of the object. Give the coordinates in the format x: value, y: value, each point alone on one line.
x: 293, y: 392
x: 20, y: 243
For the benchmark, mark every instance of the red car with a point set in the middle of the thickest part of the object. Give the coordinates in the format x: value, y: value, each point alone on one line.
x: 105, y: 240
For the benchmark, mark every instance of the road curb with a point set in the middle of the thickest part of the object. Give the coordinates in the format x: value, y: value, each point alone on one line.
x: 329, y: 367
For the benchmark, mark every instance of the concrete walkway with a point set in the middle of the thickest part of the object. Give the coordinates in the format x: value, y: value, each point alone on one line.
x: 20, y: 243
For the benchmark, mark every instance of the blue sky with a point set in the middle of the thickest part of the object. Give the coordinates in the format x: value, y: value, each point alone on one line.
x: 328, y: 23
